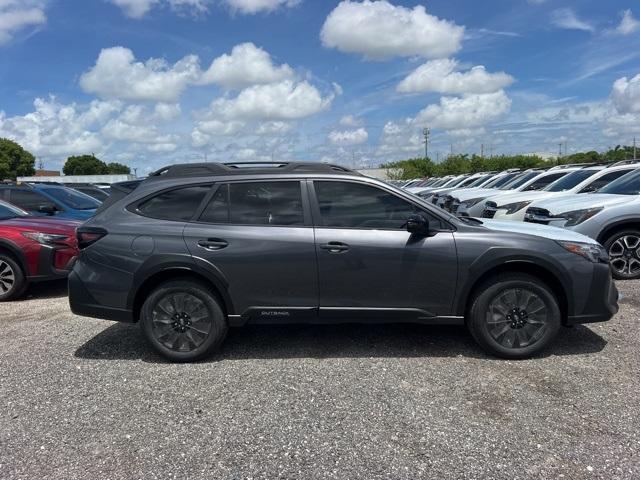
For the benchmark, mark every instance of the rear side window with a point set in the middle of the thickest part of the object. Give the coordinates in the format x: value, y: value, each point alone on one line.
x: 179, y: 204
x: 256, y: 203
x: 27, y: 199
x: 352, y: 205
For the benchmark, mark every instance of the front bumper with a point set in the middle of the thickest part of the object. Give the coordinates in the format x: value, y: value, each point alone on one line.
x: 46, y: 267
x: 602, y: 299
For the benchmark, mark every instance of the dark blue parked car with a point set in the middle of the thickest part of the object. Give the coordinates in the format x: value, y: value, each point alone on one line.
x: 50, y: 200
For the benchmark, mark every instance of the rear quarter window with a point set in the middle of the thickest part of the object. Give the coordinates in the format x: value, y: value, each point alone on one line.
x: 179, y: 204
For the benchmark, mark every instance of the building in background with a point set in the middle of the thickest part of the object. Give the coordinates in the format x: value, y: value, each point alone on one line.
x: 47, y: 173
x: 96, y: 179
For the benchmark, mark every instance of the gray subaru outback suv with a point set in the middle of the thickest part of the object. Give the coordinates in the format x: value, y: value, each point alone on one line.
x: 197, y: 248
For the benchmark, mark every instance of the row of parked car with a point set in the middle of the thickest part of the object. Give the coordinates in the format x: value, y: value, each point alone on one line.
x: 601, y: 201
x: 38, y: 223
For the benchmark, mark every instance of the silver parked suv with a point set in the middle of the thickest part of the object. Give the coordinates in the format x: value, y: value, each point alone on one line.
x: 195, y: 249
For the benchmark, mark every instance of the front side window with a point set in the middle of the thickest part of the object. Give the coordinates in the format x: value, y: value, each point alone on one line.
x: 604, y: 180
x: 75, y: 200
x: 256, y: 203
x: 353, y: 205
x: 543, y: 181
x: 179, y: 204
x: 571, y: 180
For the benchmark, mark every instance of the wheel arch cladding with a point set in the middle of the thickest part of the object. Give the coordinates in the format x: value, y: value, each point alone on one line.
x: 619, y: 226
x: 8, y: 248
x: 543, y: 273
x: 216, y: 286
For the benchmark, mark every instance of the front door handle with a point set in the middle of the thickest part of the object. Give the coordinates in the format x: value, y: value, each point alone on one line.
x: 213, y: 244
x: 335, y: 247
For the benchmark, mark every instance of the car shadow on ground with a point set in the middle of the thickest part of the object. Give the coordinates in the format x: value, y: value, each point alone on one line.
x: 126, y: 342
x: 40, y: 290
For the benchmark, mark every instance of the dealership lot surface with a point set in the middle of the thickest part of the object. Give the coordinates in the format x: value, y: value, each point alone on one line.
x: 86, y: 398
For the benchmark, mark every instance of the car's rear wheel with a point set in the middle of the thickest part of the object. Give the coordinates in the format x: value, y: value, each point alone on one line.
x: 12, y: 279
x: 514, y: 316
x: 624, y: 254
x: 183, y: 320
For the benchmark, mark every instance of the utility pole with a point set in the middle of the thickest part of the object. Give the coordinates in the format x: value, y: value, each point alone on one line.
x: 135, y: 172
x: 634, y: 148
x: 482, y: 150
x: 426, y: 133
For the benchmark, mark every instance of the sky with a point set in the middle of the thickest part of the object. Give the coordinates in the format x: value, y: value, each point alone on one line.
x: 153, y: 82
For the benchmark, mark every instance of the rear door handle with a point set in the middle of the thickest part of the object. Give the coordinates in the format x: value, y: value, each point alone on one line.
x: 213, y: 244
x: 335, y: 247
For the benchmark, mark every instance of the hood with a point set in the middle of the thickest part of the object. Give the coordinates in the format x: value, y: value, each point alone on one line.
x: 545, y: 231
x: 581, y: 201
x: 469, y: 193
x: 506, y: 198
x: 42, y: 224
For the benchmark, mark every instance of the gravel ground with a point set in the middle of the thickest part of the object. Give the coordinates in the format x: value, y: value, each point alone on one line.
x: 85, y: 398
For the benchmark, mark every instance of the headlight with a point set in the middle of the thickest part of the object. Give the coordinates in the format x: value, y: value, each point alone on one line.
x: 592, y: 252
x: 514, y: 207
x: 45, y: 238
x: 470, y: 203
x: 578, y: 216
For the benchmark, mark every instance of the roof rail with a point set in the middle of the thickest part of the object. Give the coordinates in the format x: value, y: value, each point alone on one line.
x: 569, y: 165
x: 622, y: 162
x: 206, y: 169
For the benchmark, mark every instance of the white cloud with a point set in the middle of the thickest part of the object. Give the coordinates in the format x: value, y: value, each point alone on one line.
x: 255, y: 6
x: 440, y: 76
x: 378, y: 30
x: 55, y: 129
x: 628, y: 24
x: 626, y: 95
x: 274, y: 128
x: 246, y: 65
x: 286, y: 100
x: 118, y: 75
x: 135, y: 8
x: 467, y: 112
x: 139, y: 8
x: 16, y: 15
x: 566, y: 18
x: 351, y: 121
x: 348, y: 137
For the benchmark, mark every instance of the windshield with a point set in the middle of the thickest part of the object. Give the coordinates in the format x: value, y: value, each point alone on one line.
x: 454, y: 182
x: 479, y: 180
x: 521, y: 180
x: 628, y: 184
x: 569, y: 181
x: 71, y: 198
x: 9, y: 211
x: 501, y: 180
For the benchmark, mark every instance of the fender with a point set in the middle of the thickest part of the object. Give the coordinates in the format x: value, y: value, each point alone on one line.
x: 613, y: 225
x: 501, y: 256
x: 159, y: 263
x: 17, y: 252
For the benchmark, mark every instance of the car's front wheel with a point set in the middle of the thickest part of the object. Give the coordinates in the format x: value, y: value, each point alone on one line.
x: 183, y: 320
x: 12, y: 281
x: 624, y: 254
x: 514, y: 316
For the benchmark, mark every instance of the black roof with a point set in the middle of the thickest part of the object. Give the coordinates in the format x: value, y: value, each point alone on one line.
x: 244, y: 168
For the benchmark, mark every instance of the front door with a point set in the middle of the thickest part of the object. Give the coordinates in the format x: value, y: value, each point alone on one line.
x: 368, y: 263
x: 260, y: 238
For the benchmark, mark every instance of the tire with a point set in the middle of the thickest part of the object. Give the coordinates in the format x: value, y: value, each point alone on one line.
x: 624, y: 254
x: 514, y: 332
x: 12, y: 280
x: 168, y: 320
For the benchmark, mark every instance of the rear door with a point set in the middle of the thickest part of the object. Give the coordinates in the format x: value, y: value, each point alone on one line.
x: 259, y: 235
x: 368, y: 264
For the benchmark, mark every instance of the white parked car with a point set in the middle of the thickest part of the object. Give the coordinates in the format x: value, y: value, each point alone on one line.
x: 513, y: 206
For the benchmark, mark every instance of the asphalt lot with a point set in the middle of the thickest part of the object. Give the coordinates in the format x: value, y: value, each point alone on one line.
x: 85, y: 398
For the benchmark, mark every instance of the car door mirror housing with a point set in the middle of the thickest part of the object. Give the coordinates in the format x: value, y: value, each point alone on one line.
x: 418, y: 224
x: 47, y: 208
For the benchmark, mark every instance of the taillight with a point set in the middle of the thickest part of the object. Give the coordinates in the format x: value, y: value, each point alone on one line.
x: 89, y: 235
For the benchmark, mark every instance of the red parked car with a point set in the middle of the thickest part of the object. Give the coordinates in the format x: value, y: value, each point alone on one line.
x: 33, y: 249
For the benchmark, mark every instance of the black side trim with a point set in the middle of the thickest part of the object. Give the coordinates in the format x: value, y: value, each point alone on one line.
x: 83, y: 303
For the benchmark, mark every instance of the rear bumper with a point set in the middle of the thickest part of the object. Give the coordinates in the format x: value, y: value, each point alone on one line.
x: 82, y: 303
x: 602, y: 303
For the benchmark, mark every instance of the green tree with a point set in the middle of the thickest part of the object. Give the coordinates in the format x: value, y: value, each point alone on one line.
x: 15, y: 161
x: 85, y: 165
x: 118, y: 169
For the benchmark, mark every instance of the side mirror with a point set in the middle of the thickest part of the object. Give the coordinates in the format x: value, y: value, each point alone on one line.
x: 418, y: 225
x: 47, y: 209
x: 589, y: 189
